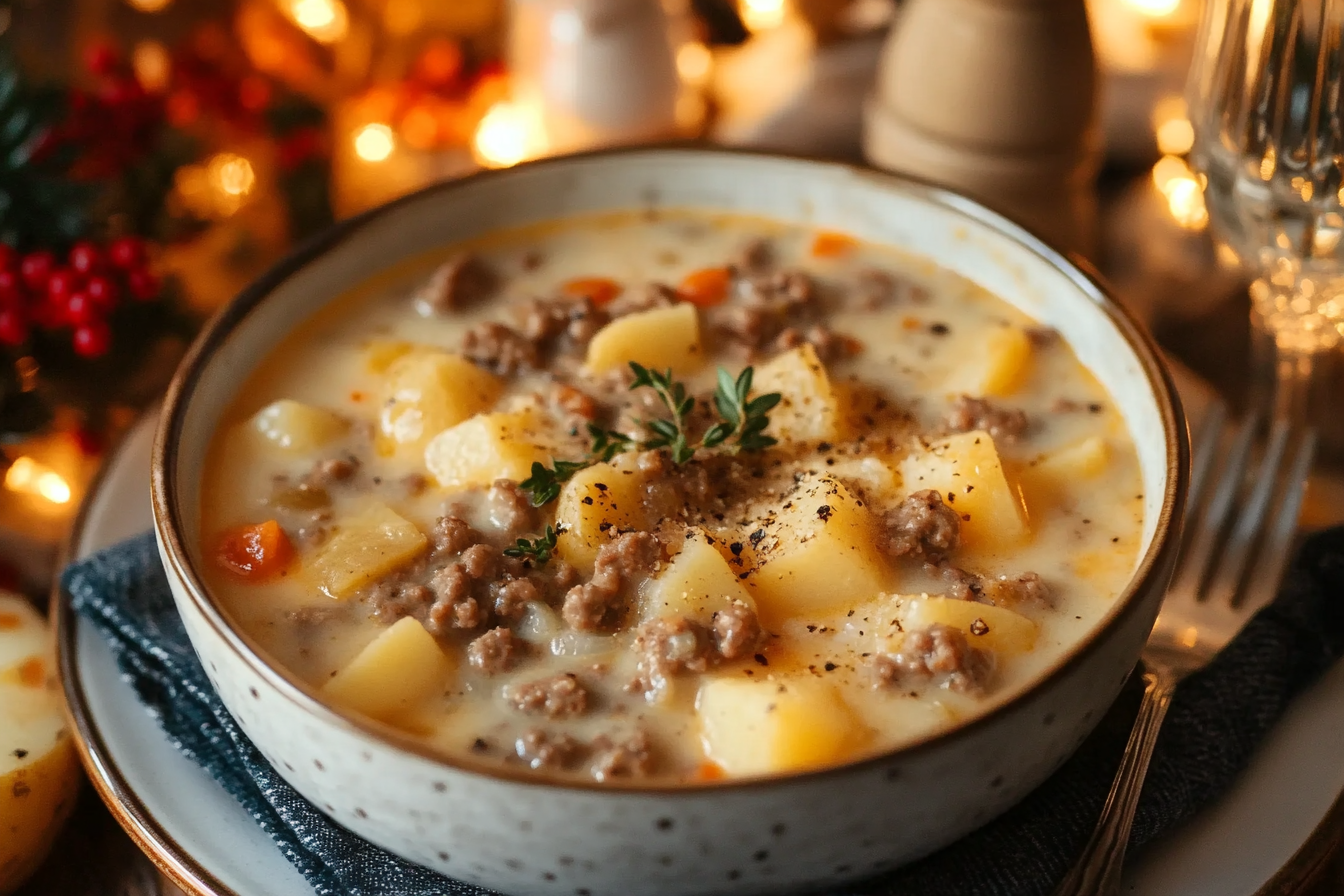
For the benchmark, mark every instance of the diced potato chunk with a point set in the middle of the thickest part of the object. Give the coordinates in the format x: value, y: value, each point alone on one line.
x: 365, y: 548
x: 696, y: 584
x: 428, y: 391
x: 818, y: 553
x: 810, y: 409
x: 1053, y: 478
x: 594, y: 506
x: 1000, y: 365
x: 295, y: 426
x: 965, y: 469
x: 659, y: 338
x: 867, y: 474
x: 396, y: 672
x: 39, y: 768
x: 487, y: 447
x: 755, y: 726
x: 988, y: 627
x: 380, y: 353
x: 1081, y: 460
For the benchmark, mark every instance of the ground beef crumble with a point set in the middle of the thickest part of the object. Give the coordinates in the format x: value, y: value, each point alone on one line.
x: 938, y: 655
x: 630, y: 757
x: 453, y: 535
x: 670, y: 645
x: 500, y: 349
x: 1002, y: 424
x: 735, y: 631
x: 1023, y: 589
x: 556, y: 697
x: 459, y: 282
x: 493, y: 652
x: 620, y: 565
x: 922, y: 525
x: 542, y: 749
x: 829, y: 345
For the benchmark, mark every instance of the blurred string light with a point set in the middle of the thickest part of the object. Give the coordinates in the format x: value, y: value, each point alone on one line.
x: 507, y: 135
x: 325, y: 21
x: 762, y: 15
x: 374, y: 142
x: 29, y: 477
x: 1183, y: 191
x: 1171, y: 126
x: 152, y: 65
x: 218, y: 187
x: 1154, y: 9
x: 148, y: 5
x: 693, y: 63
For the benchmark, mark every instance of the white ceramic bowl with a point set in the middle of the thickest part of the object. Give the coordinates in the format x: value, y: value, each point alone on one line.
x: 525, y: 836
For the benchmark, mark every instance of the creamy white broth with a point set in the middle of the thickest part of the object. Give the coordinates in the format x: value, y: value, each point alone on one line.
x: 916, y: 350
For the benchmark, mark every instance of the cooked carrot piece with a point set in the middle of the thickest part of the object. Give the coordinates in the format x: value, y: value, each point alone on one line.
x: 598, y: 290
x: 709, y: 771
x: 829, y: 244
x: 255, y: 552
x: 706, y: 287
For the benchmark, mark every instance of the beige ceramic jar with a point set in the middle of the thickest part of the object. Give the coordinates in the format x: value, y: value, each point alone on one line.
x: 995, y: 98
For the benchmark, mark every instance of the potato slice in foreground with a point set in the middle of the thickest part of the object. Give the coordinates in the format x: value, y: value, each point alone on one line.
x: 755, y: 726
x: 39, y: 771
x: 395, y: 673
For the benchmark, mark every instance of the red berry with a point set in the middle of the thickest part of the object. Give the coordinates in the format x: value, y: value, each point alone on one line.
x: 13, y: 327
x: 93, y: 339
x: 142, y: 283
x: 36, y: 267
x: 102, y: 58
x: 126, y: 252
x: 85, y: 257
x: 11, y: 287
x: 8, y: 257
x: 103, y: 292
x: 81, y: 310
x: 61, y: 284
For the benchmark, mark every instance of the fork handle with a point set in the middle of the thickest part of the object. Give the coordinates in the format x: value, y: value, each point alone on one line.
x: 1097, y: 871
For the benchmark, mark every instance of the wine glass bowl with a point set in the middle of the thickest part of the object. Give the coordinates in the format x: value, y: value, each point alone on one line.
x: 1266, y: 96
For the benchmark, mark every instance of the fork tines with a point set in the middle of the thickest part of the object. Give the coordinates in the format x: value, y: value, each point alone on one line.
x: 1243, y: 505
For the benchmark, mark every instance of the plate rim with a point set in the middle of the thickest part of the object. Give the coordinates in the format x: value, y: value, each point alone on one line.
x: 155, y: 840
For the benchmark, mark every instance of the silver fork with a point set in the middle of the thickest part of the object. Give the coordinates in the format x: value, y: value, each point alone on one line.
x: 1227, y: 571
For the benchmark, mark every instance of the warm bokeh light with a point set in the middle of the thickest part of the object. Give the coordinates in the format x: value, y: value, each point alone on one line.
x: 419, y: 127
x: 374, y: 142
x: 325, y: 21
x: 761, y: 15
x: 152, y: 65
x: 148, y: 5
x: 1154, y: 9
x: 232, y: 175
x: 1175, y: 135
x: 693, y: 63
x: 30, y: 477
x: 502, y: 136
x: 1184, y: 195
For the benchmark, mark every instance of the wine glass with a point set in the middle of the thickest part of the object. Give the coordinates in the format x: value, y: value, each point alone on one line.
x: 1266, y: 96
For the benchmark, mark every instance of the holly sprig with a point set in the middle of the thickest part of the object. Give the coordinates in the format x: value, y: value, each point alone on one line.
x: 741, y: 416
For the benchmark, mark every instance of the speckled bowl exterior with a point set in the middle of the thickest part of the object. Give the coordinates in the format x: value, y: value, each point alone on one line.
x: 525, y: 836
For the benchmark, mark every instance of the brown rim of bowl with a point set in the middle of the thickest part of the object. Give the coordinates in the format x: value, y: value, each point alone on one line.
x: 149, y: 834
x: 168, y: 522
x: 153, y: 838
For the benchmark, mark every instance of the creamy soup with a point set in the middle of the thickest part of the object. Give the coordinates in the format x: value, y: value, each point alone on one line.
x: 670, y: 498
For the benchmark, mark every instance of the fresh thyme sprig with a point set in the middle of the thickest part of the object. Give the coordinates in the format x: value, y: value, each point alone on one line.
x: 740, y: 416
x: 743, y: 417
x: 538, y: 550
x: 666, y: 433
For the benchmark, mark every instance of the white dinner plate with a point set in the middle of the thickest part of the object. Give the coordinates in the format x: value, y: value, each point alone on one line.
x: 1263, y: 837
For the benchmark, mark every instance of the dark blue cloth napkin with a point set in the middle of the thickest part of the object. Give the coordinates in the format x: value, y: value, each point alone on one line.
x: 1215, y: 723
